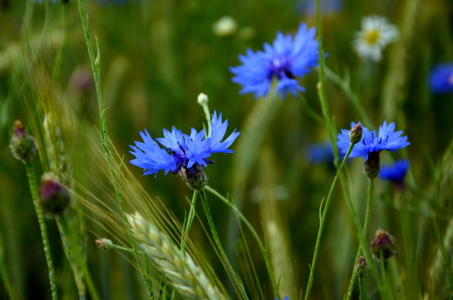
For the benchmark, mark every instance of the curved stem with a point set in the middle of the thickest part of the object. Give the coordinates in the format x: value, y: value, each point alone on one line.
x: 361, y: 288
x: 323, y: 219
x: 189, y: 220
x: 255, y: 235
x: 42, y: 227
x: 219, y: 245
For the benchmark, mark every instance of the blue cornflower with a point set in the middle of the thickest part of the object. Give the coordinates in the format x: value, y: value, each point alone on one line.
x: 286, y: 298
x: 319, y: 153
x: 441, y: 79
x: 396, y: 172
x: 387, y: 139
x: 182, y: 153
x: 285, y: 60
x: 372, y: 144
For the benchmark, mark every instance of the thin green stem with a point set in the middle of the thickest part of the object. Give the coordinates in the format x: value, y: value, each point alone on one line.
x: 365, y: 231
x: 189, y: 220
x: 42, y: 227
x: 219, y: 245
x: 255, y: 235
x: 76, y: 252
x: 323, y: 219
x: 95, y: 65
x: 361, y: 296
x: 350, y: 95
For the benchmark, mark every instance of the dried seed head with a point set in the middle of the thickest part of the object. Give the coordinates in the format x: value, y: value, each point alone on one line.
x: 23, y: 145
x: 54, y: 197
x: 383, y: 244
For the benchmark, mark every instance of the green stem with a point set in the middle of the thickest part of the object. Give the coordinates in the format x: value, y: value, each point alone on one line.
x: 350, y: 95
x: 365, y: 230
x: 78, y: 257
x: 255, y: 235
x: 189, y: 220
x: 42, y: 227
x: 361, y: 289
x: 219, y: 245
x: 323, y: 219
x: 95, y: 65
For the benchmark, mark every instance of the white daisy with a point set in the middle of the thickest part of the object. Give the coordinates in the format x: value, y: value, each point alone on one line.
x: 375, y: 35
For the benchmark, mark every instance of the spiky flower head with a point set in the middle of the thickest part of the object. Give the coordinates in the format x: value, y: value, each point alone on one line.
x: 384, y: 244
x: 395, y: 172
x: 23, y: 145
x: 54, y: 197
x: 441, y: 79
x: 182, y: 153
x: 375, y: 35
x: 285, y: 60
x: 361, y: 267
x: 104, y: 244
x: 182, y: 272
x: 372, y: 144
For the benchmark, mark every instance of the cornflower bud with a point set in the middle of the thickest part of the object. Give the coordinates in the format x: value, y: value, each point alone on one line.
x: 361, y: 267
x: 54, y: 197
x: 23, y: 145
x: 383, y: 244
x: 355, y: 135
x: 202, y: 99
x: 104, y: 244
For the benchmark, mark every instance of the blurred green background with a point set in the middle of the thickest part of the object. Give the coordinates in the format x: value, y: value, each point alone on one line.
x: 157, y: 56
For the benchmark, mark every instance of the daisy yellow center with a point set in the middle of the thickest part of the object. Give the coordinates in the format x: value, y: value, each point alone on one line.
x: 372, y: 36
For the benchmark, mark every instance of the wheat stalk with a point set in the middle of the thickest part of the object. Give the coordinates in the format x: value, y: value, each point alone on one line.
x: 181, y: 271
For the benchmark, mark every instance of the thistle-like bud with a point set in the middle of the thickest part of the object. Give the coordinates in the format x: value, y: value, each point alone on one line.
x: 54, y: 197
x: 372, y: 165
x: 23, y: 145
x: 104, y: 244
x: 355, y: 135
x: 361, y: 267
x: 202, y: 99
x: 195, y: 177
x: 383, y: 244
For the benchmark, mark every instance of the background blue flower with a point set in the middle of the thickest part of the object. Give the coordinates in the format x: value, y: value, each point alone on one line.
x: 182, y: 150
x: 285, y: 60
x: 387, y: 139
x: 441, y: 79
x: 395, y: 172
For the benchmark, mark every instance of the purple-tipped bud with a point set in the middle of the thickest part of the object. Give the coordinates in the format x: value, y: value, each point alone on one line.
x: 384, y: 244
x: 54, y: 197
x: 196, y: 180
x: 104, y: 244
x: 361, y: 267
x: 23, y: 145
x: 355, y: 135
x: 372, y: 165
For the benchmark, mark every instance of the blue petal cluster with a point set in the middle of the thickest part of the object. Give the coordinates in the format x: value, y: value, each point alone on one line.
x: 285, y: 60
x: 441, y: 79
x: 387, y: 139
x: 396, y: 172
x: 182, y: 151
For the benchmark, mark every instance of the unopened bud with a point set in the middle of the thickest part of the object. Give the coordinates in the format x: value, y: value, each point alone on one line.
x: 104, y: 244
x: 372, y: 165
x: 54, y: 197
x: 23, y: 145
x: 355, y: 135
x: 384, y: 244
x: 202, y: 99
x: 361, y: 267
x: 195, y: 177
